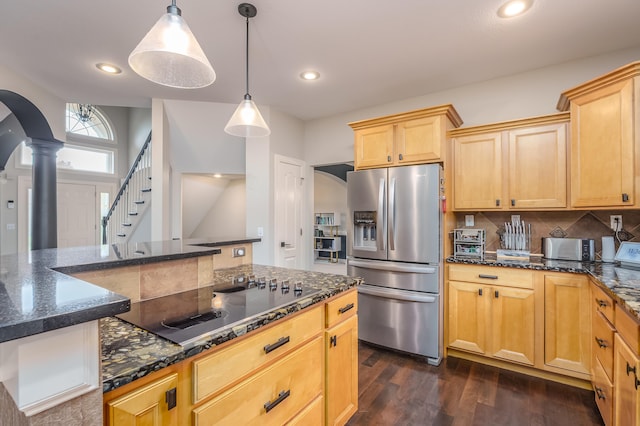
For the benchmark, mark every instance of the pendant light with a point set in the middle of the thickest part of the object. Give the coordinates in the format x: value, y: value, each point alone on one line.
x: 247, y: 121
x: 170, y: 55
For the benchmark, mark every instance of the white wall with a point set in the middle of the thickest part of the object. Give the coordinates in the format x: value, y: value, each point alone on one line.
x: 330, y: 140
x: 227, y: 217
x: 200, y: 193
x: 330, y: 195
x: 139, y: 127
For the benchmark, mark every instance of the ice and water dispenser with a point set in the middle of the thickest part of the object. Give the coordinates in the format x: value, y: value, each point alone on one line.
x: 365, y: 230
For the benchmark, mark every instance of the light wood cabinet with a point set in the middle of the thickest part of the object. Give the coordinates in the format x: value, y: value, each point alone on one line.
x: 567, y: 319
x: 341, y: 342
x: 626, y: 383
x: 154, y: 404
x: 514, y: 165
x: 413, y: 137
x: 497, y: 321
x: 271, y: 397
x: 604, y: 140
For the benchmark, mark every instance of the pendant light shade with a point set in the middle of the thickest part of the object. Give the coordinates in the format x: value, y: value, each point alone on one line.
x: 247, y: 121
x: 170, y: 55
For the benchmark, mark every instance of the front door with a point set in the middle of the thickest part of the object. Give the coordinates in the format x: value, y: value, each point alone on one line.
x: 288, y: 212
x: 77, y: 218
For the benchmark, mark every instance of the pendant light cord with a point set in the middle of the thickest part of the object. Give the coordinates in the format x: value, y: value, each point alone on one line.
x: 247, y: 96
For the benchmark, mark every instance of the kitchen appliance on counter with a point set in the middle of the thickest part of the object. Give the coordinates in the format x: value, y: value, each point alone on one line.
x: 394, y: 230
x: 578, y: 249
x: 186, y: 317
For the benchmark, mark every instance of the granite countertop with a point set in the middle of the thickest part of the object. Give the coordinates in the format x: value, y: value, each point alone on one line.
x: 37, y: 296
x: 620, y: 283
x: 129, y: 352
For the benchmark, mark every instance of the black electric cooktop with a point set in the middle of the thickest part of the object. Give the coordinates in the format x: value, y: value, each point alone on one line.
x: 185, y: 317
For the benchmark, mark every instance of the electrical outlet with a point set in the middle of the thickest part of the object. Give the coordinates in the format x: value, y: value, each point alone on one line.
x: 469, y: 220
x: 616, y: 222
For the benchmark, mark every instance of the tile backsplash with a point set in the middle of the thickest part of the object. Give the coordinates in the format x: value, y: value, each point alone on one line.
x: 569, y: 224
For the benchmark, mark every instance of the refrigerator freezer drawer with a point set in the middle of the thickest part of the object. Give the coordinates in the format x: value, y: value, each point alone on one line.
x: 402, y: 276
x: 401, y: 320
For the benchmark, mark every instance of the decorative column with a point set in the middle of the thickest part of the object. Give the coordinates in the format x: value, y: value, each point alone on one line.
x: 44, y: 217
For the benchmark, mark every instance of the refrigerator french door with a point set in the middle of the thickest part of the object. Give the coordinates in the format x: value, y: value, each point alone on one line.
x: 395, y: 240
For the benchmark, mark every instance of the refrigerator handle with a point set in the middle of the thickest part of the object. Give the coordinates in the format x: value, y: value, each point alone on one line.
x: 381, y: 230
x: 392, y: 214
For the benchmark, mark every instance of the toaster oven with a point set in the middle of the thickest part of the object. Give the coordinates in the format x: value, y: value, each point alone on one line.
x: 569, y: 249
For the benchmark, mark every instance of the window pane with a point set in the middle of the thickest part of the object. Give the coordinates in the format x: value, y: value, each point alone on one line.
x: 86, y: 120
x: 77, y: 158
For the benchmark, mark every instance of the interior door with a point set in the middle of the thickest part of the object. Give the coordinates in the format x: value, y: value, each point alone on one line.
x: 288, y: 212
x: 77, y: 217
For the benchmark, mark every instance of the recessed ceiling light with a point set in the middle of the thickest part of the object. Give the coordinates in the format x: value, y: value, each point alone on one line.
x: 217, y: 175
x: 310, y: 75
x: 514, y: 8
x: 108, y: 68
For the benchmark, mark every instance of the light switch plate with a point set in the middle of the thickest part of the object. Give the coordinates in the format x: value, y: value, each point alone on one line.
x: 469, y: 220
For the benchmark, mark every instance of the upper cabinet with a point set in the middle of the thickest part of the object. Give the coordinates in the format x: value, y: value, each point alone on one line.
x: 514, y: 165
x: 413, y: 137
x: 604, y: 143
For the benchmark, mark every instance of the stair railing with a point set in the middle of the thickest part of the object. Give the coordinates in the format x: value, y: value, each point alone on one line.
x: 117, y: 223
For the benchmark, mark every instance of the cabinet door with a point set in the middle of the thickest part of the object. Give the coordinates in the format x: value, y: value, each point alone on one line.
x: 146, y: 406
x: 567, y: 322
x: 625, y: 383
x: 477, y: 182
x: 467, y: 316
x: 342, y: 371
x: 512, y: 326
x: 538, y: 167
x: 374, y: 147
x: 419, y: 141
x: 602, y: 148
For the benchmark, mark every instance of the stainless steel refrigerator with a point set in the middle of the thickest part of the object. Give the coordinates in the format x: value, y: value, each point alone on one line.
x: 395, y: 243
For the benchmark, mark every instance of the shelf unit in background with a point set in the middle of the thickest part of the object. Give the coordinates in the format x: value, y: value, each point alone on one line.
x: 326, y: 238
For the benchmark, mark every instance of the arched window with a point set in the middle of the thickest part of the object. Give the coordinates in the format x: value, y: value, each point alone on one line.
x: 89, y: 146
x: 87, y: 120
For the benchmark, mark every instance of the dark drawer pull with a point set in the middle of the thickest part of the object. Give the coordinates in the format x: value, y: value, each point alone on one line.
x: 281, y: 397
x: 602, y: 303
x: 601, y: 342
x: 497, y: 294
x: 479, y: 292
x: 489, y: 277
x: 600, y: 393
x: 631, y: 369
x: 170, y: 398
x: 346, y: 308
x: 276, y: 345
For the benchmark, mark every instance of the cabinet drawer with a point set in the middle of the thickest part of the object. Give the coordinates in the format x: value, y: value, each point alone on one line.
x: 283, y: 388
x: 223, y: 367
x: 508, y: 277
x: 602, y: 344
x: 341, y: 308
x: 311, y: 415
x: 603, y: 393
x: 628, y: 328
x: 603, y: 302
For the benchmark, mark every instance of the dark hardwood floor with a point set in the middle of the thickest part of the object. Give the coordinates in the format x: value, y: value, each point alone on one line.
x: 396, y: 389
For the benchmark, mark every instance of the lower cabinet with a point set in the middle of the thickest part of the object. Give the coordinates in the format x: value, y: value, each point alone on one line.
x: 271, y: 397
x: 153, y: 404
x: 567, y: 323
x: 302, y: 370
x: 496, y: 321
x: 530, y: 318
x: 626, y: 382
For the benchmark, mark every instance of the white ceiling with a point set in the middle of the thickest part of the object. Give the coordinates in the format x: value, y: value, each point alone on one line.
x: 367, y: 52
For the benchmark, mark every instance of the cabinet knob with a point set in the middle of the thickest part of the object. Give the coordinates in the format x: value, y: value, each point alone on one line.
x: 388, y: 158
x: 631, y: 369
x: 600, y: 393
x: 497, y: 203
x: 625, y: 197
x: 602, y: 343
x: 479, y: 292
x: 497, y: 294
x: 513, y: 202
x: 400, y: 157
x: 602, y: 303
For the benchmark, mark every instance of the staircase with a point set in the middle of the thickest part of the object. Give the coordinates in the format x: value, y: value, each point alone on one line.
x: 132, y: 200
